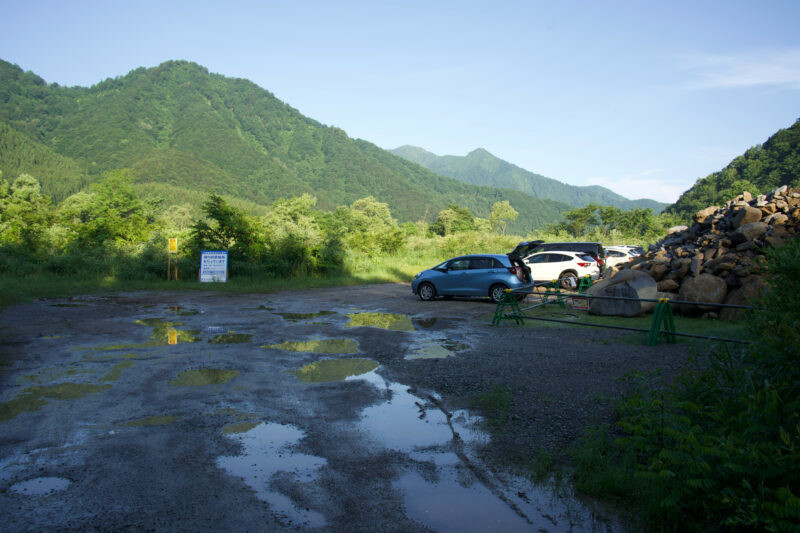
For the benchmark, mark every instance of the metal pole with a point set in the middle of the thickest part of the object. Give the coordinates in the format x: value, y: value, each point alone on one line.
x: 626, y: 328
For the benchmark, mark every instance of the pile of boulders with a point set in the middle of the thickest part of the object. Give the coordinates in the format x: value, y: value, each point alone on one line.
x: 719, y: 259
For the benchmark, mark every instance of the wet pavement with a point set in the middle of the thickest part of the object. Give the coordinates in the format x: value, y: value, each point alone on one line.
x: 209, y: 411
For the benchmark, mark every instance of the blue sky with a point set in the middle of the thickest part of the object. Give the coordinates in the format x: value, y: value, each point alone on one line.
x: 643, y: 97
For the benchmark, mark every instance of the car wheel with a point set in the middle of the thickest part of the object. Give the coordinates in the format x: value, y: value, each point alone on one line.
x: 496, y: 292
x: 426, y: 292
x: 569, y: 280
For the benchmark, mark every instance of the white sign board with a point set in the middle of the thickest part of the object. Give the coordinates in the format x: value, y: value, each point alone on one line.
x: 214, y: 266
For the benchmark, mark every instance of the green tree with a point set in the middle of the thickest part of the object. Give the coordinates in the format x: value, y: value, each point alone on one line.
x: 25, y: 213
x: 110, y: 212
x: 579, y: 219
x: 227, y: 228
x: 454, y: 219
x: 370, y: 227
x: 502, y: 213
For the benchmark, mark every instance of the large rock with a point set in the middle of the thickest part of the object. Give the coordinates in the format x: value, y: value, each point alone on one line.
x: 704, y: 214
x: 751, y: 290
x: 627, y: 284
x: 745, y: 215
x: 749, y: 232
x: 703, y: 288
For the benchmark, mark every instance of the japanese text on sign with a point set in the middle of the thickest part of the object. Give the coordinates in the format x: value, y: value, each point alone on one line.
x: 213, y: 266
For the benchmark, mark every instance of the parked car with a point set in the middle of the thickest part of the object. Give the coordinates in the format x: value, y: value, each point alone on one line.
x: 595, y: 249
x: 567, y: 267
x: 618, y: 254
x: 474, y: 275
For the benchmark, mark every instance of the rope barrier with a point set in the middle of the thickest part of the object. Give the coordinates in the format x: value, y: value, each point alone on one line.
x: 662, y: 314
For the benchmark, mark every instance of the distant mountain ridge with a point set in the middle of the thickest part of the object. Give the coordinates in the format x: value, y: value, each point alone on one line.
x: 480, y: 167
x: 185, y: 132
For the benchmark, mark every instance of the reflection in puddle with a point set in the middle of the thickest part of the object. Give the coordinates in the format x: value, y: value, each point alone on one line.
x: 164, y: 333
x: 116, y: 371
x: 181, y: 311
x: 294, y: 317
x: 203, y: 376
x: 450, y: 490
x: 33, y: 397
x: 450, y: 504
x: 436, y: 349
x: 425, y: 323
x: 406, y: 422
x: 333, y: 346
x: 388, y: 321
x: 40, y: 486
x: 159, y: 420
x: 231, y: 338
x: 267, y: 457
x: 238, y: 427
x: 334, y: 370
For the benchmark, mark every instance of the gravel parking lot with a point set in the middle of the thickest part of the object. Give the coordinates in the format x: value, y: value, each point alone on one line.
x: 329, y: 409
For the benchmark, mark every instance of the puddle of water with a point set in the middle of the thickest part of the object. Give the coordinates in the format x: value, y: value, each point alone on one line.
x: 238, y: 427
x: 40, y: 486
x: 231, y: 338
x: 459, y: 494
x: 181, y: 311
x: 424, y: 323
x: 116, y: 371
x: 388, y: 321
x: 332, y: 346
x: 159, y: 420
x: 436, y: 349
x: 164, y: 333
x: 203, y: 376
x: 294, y: 317
x: 406, y: 422
x: 267, y: 453
x: 333, y: 370
x: 33, y: 398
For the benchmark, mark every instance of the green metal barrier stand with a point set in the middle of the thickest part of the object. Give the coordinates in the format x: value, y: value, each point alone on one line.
x: 555, y: 291
x: 585, y: 283
x: 507, y: 300
x: 662, y: 313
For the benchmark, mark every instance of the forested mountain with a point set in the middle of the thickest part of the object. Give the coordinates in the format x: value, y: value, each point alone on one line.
x: 479, y: 167
x: 759, y: 170
x: 178, y: 127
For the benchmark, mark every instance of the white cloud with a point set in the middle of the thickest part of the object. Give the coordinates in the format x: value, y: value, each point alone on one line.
x: 767, y: 68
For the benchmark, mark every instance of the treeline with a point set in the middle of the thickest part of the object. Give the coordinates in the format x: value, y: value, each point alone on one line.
x: 110, y: 230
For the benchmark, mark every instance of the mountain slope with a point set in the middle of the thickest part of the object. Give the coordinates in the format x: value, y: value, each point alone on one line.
x: 59, y: 176
x: 479, y: 167
x: 181, y: 126
x: 759, y: 170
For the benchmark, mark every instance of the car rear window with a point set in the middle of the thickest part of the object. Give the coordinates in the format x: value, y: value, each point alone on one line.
x: 558, y: 258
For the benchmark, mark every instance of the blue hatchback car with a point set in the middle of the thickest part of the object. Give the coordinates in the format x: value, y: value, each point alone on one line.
x: 472, y: 275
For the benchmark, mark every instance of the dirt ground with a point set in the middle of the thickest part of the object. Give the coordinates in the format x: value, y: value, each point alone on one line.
x: 328, y: 409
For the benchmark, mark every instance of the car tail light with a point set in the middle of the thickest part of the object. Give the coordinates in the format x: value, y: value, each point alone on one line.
x: 584, y: 265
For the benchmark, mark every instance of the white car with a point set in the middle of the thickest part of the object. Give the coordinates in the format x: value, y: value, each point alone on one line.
x: 567, y: 267
x: 616, y: 255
